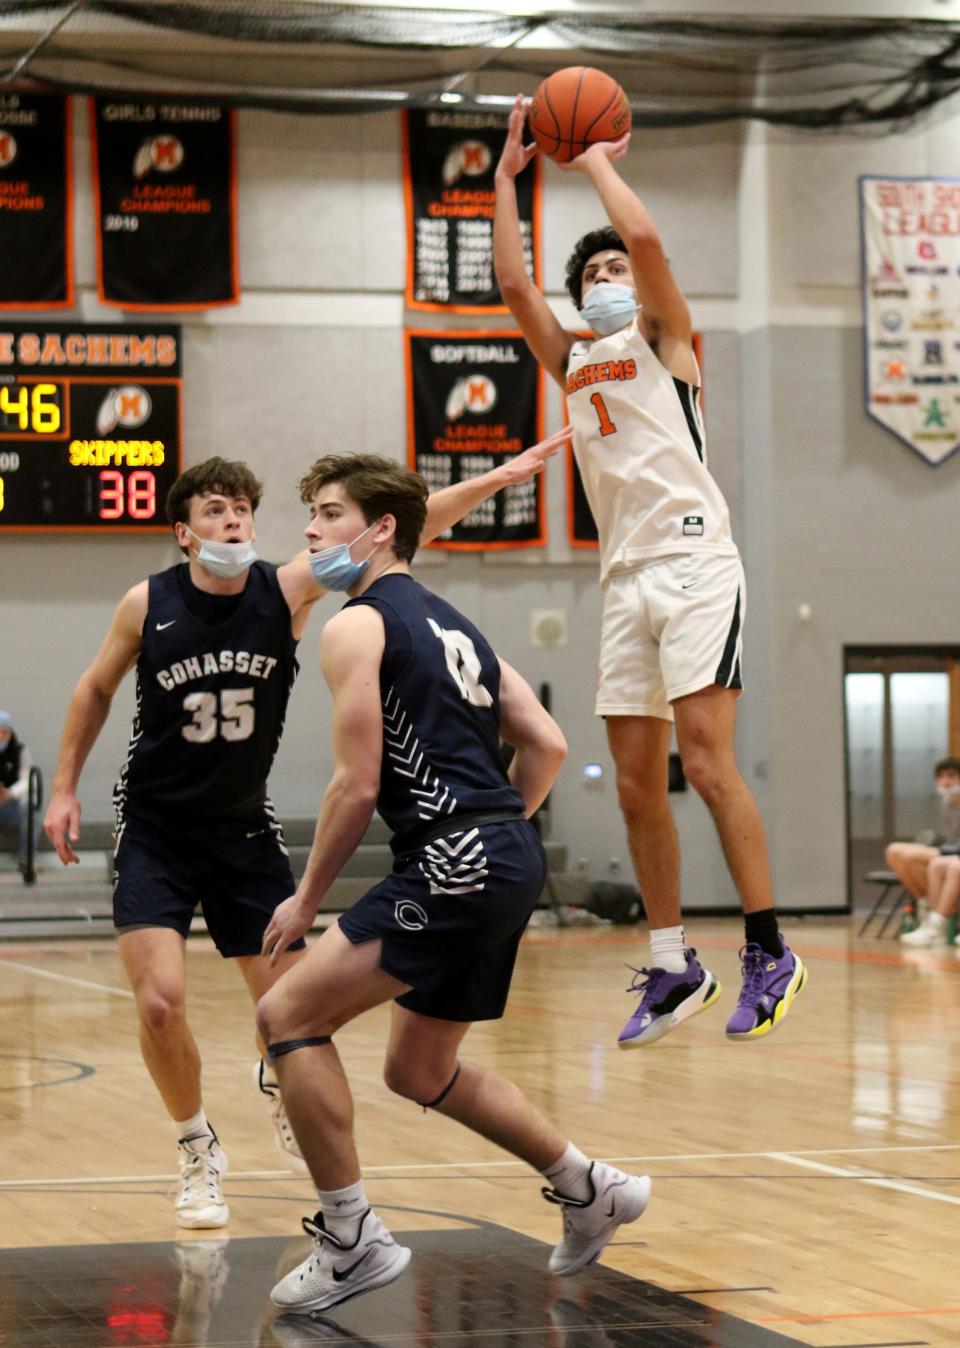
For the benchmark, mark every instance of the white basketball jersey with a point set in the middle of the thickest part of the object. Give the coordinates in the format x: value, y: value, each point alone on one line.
x: 639, y: 442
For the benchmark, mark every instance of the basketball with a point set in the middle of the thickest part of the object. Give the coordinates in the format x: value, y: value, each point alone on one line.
x: 576, y: 107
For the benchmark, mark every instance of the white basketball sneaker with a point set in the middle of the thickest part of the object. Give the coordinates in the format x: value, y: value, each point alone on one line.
x: 588, y: 1224
x: 203, y: 1164
x: 335, y: 1272
x: 283, y: 1136
x: 929, y: 933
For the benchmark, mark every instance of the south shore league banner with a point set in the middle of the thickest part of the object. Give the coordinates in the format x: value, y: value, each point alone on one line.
x: 36, y: 202
x: 165, y: 186
x: 449, y: 159
x: 581, y: 526
x: 911, y: 309
x: 474, y: 401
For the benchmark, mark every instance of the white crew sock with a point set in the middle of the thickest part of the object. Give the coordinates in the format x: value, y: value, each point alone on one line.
x: 570, y: 1174
x: 342, y: 1210
x: 935, y: 920
x: 191, y: 1129
x: 668, y: 949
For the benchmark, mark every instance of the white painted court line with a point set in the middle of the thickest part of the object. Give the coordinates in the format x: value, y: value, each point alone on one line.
x: 66, y: 978
x: 866, y: 1177
x: 506, y: 1164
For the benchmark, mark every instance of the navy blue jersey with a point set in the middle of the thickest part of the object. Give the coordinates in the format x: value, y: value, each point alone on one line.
x: 211, y: 698
x: 440, y: 689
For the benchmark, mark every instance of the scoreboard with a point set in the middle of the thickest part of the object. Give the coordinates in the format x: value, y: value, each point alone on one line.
x: 90, y: 426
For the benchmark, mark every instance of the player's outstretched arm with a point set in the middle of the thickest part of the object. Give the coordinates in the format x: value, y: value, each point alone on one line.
x: 449, y: 505
x: 664, y: 306
x: 528, y: 726
x: 548, y: 341
x: 351, y: 649
x: 444, y: 509
x: 86, y: 714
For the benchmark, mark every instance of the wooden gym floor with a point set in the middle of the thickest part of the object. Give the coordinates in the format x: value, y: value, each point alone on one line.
x: 805, y: 1187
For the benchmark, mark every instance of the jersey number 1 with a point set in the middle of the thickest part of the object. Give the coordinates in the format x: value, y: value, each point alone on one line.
x: 607, y: 427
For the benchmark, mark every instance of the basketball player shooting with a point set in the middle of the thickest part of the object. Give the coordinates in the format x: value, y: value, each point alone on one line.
x: 674, y: 593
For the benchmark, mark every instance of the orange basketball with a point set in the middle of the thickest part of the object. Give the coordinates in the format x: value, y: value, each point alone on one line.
x: 574, y: 108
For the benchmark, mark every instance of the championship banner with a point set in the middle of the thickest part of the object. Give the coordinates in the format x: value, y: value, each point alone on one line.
x: 910, y: 229
x: 581, y: 527
x: 473, y: 401
x: 165, y: 187
x: 449, y: 160
x: 36, y: 202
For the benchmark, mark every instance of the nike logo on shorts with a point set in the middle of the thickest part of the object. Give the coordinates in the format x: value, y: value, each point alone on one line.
x: 687, y: 583
x: 162, y: 626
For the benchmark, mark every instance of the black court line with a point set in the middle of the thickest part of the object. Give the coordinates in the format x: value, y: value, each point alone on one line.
x: 476, y: 1287
x: 81, y: 1070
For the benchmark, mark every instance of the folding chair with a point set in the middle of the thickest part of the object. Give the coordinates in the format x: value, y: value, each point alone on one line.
x: 889, y: 882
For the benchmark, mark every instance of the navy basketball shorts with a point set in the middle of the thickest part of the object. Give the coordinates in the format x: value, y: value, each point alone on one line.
x: 237, y: 870
x: 450, y: 917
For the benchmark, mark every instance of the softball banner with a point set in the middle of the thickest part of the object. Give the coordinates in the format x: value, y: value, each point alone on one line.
x: 36, y: 202
x: 449, y: 160
x: 910, y: 229
x: 165, y: 187
x: 474, y: 401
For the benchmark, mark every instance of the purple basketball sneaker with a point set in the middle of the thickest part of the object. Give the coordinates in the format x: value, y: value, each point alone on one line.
x: 667, y: 999
x: 769, y: 987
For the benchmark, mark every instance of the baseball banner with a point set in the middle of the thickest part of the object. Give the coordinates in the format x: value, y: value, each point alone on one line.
x: 473, y: 401
x: 581, y: 526
x: 165, y: 188
x: 36, y: 202
x: 449, y: 160
x: 910, y: 230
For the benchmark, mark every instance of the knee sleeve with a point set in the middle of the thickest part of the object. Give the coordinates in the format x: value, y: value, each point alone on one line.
x: 278, y: 1050
x: 432, y: 1104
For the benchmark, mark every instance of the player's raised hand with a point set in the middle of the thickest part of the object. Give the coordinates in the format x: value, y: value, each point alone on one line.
x: 516, y: 156
x: 525, y: 465
x: 62, y: 824
x: 609, y: 150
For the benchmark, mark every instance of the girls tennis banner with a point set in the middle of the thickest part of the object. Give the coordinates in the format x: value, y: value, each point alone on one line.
x: 449, y: 160
x: 474, y: 401
x: 165, y: 187
x: 36, y: 202
x: 910, y: 229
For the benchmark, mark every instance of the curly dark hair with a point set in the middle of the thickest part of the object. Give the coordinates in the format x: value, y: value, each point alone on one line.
x: 947, y: 765
x: 216, y: 476
x: 597, y: 241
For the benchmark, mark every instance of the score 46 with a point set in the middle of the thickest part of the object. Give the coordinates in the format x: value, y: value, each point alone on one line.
x: 36, y: 407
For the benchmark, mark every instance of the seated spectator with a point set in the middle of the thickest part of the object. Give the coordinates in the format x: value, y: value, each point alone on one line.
x: 911, y: 860
x: 943, y: 885
x: 15, y: 764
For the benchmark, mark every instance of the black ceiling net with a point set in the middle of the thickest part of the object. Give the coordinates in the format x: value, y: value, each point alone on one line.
x: 326, y: 58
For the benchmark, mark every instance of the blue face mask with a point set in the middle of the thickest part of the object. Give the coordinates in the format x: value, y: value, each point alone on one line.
x: 609, y: 307
x: 227, y: 561
x: 335, y: 569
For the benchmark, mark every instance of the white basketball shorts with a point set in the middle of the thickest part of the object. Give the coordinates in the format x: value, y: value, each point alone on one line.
x: 670, y: 628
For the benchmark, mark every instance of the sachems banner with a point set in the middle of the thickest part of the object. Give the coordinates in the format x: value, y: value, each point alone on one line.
x: 911, y: 309
x: 449, y: 160
x: 473, y: 401
x: 165, y: 191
